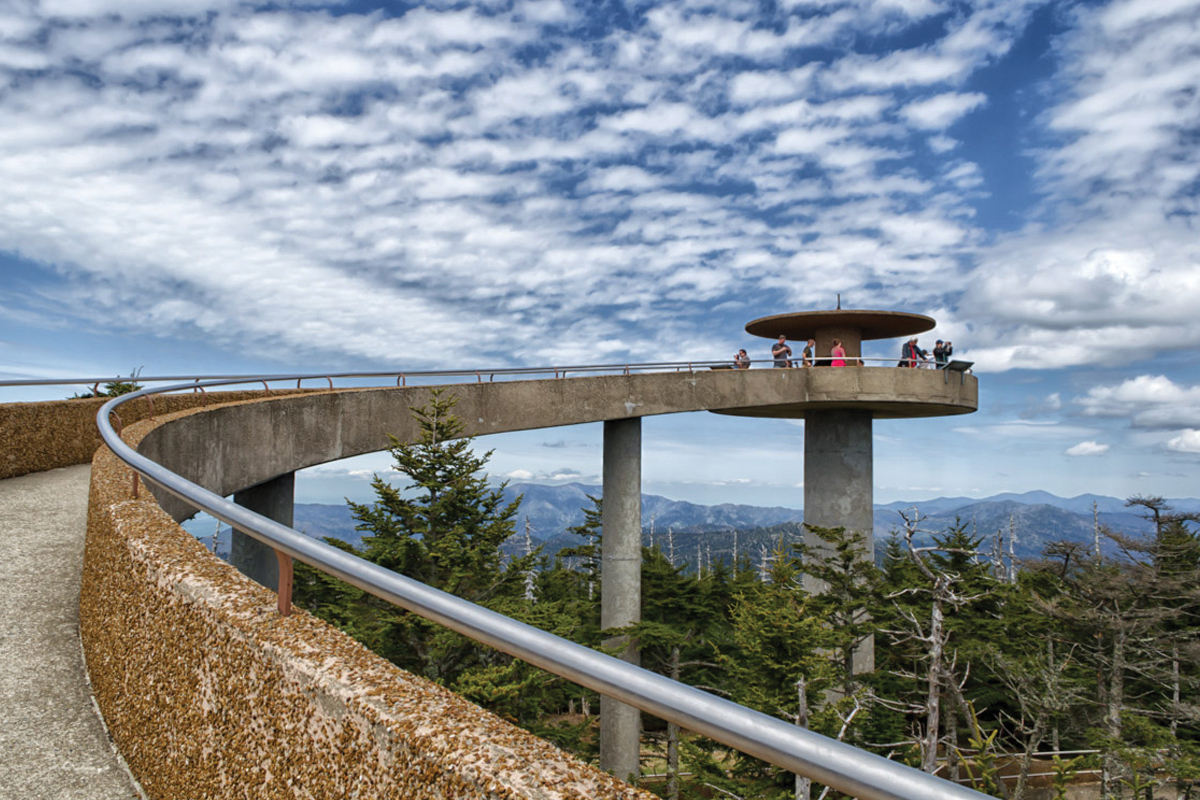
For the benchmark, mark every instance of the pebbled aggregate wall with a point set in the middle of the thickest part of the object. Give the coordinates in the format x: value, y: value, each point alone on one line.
x: 209, y: 693
x: 61, y: 433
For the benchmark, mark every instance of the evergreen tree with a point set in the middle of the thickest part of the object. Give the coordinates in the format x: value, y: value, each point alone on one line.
x: 778, y: 649
x: 934, y: 624
x: 444, y: 527
x: 1131, y: 618
x: 850, y: 583
x: 1033, y: 677
x: 113, y: 388
x: 584, y: 558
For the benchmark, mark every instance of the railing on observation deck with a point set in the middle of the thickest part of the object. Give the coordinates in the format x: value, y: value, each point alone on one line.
x: 402, y: 377
x: 839, y: 765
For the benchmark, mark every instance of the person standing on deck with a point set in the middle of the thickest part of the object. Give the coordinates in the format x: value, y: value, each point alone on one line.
x: 837, y: 354
x: 781, y: 352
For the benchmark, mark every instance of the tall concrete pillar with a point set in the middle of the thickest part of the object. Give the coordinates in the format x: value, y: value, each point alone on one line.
x: 274, y: 499
x: 621, y: 582
x: 839, y: 488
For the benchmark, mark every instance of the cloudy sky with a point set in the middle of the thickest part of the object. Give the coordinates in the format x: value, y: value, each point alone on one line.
x: 214, y: 187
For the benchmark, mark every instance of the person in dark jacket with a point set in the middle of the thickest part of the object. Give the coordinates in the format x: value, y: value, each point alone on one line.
x: 911, y: 354
x: 942, y: 352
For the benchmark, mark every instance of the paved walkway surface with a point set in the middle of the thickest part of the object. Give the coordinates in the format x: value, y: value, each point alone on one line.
x: 52, y: 743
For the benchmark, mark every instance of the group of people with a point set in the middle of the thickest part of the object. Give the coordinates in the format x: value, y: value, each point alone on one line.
x: 781, y: 352
x: 911, y: 355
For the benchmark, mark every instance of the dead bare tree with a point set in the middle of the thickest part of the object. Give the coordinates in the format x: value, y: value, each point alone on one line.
x: 941, y: 678
x: 1041, y: 684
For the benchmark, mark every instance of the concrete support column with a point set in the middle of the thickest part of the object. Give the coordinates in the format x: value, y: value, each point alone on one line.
x: 839, y: 487
x: 274, y: 499
x: 621, y: 582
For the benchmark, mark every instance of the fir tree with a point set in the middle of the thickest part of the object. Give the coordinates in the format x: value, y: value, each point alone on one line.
x: 777, y: 642
x: 444, y: 527
x: 1131, y: 618
x: 850, y: 583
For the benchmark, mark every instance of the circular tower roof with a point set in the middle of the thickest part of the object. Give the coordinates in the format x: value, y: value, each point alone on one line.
x: 873, y: 324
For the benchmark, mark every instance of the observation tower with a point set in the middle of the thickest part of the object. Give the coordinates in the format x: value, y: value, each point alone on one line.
x: 839, y: 405
x: 251, y: 447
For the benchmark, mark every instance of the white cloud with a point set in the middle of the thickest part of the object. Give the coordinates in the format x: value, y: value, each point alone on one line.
x: 906, y: 68
x: 941, y: 111
x: 624, y: 178
x: 1149, y: 401
x: 1187, y: 441
x: 1128, y: 120
x: 1087, y: 449
x: 1107, y: 272
x: 752, y: 88
x: 21, y: 58
x: 1026, y: 429
x: 942, y: 144
x: 814, y: 141
x: 545, y: 11
x: 1127, y: 14
x: 75, y: 9
x: 1108, y: 292
x: 256, y: 175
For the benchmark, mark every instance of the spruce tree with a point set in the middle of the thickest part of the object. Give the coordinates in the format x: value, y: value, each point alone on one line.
x: 444, y: 526
x: 1131, y: 617
x: 851, y: 583
x: 776, y: 643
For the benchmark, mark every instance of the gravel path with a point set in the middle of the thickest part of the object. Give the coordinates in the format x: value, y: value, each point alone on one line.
x: 52, y: 743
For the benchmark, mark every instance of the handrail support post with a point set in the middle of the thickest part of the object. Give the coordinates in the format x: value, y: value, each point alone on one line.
x: 284, y: 589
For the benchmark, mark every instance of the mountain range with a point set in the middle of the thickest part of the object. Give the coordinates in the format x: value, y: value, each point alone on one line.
x: 1033, y: 518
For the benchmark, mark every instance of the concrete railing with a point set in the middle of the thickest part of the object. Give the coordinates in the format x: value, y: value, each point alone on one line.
x: 209, y: 692
x: 48, y: 434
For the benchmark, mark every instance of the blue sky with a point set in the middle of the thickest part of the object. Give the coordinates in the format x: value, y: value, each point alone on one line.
x: 226, y: 187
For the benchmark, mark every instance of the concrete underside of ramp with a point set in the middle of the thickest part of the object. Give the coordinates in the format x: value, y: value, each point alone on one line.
x: 241, y: 445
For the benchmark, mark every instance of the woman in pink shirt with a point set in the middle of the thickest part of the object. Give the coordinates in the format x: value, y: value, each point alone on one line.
x: 838, y: 354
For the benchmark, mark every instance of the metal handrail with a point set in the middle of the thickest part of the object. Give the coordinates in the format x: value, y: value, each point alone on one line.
x: 837, y: 764
x: 196, y: 381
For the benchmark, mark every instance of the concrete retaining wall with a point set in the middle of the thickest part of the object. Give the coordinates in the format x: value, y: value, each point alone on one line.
x: 61, y: 433
x: 209, y: 693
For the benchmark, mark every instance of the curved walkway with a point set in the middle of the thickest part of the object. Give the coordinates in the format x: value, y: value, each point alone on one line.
x: 52, y: 743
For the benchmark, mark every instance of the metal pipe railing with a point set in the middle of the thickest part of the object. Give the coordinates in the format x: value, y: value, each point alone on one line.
x: 845, y: 768
x: 197, y: 382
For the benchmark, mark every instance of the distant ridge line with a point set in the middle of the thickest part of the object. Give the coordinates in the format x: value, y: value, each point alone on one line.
x: 1037, y: 517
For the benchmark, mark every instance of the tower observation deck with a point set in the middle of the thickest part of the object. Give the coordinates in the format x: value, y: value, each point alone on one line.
x: 839, y: 405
